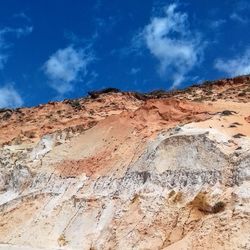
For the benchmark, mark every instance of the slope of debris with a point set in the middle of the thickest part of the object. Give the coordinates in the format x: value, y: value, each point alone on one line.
x: 122, y: 170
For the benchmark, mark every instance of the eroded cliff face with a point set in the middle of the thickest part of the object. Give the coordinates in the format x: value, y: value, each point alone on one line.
x: 129, y: 171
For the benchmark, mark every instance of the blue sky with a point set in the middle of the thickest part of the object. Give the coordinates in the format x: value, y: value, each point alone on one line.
x: 57, y: 49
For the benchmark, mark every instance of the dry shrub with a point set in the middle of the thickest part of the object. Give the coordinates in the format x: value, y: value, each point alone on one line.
x: 200, y: 202
x: 62, y: 240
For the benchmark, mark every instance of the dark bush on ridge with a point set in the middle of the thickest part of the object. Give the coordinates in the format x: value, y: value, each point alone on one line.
x: 95, y: 94
x: 158, y: 93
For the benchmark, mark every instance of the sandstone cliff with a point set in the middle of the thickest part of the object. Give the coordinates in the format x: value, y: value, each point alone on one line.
x: 164, y: 170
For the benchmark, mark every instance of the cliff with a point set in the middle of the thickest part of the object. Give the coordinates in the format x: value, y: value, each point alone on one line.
x: 123, y: 170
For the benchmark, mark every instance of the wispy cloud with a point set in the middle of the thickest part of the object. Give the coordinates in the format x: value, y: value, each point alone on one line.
x: 9, y: 97
x: 239, y: 65
x: 241, y: 12
x: 242, y: 5
x: 239, y: 18
x: 171, y: 41
x: 215, y: 24
x: 3, y: 58
x: 18, y: 32
x: 67, y: 66
x: 4, y: 44
x: 134, y: 71
x: 22, y: 15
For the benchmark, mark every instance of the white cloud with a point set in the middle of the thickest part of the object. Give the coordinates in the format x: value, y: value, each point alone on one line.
x: 4, y: 45
x: 65, y: 67
x: 171, y: 41
x: 236, y: 66
x: 9, y: 97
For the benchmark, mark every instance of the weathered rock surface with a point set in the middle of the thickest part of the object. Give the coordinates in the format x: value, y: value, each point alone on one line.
x: 129, y: 171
